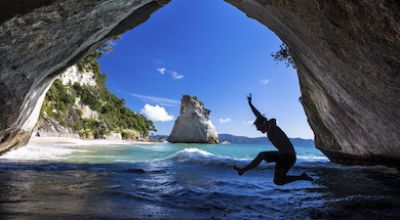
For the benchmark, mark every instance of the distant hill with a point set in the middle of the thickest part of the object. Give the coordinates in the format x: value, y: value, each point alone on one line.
x: 159, y: 137
x: 261, y: 140
x: 248, y: 140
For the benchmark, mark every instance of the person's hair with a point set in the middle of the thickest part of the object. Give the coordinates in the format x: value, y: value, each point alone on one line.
x: 260, y: 121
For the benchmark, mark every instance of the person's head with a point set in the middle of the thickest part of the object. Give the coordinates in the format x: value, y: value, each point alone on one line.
x: 261, y: 124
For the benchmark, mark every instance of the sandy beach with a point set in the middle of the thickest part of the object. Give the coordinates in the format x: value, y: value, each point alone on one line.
x: 77, y: 141
x: 58, y: 148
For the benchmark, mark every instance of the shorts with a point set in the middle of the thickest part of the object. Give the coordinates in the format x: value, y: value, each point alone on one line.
x: 282, y: 160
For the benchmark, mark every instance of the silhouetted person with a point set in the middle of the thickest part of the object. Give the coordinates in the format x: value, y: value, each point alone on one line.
x: 284, y: 158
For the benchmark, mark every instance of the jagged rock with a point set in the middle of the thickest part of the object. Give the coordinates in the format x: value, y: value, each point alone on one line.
x: 113, y: 136
x: 346, y: 53
x: 56, y: 134
x: 49, y: 125
x: 87, y: 112
x: 193, y: 124
x: 73, y: 75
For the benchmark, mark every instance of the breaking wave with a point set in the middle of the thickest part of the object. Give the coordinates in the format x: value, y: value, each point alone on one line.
x: 195, y: 155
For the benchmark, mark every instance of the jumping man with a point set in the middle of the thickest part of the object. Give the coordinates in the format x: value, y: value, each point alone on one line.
x: 284, y: 158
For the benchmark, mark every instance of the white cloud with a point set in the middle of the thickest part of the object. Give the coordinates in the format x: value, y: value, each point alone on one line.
x: 176, y: 75
x: 156, y: 113
x: 247, y: 122
x: 224, y: 120
x: 161, y: 70
x: 157, y: 100
x: 264, y: 81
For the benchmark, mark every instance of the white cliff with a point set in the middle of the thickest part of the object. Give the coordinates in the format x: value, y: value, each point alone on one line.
x: 50, y: 127
x: 73, y: 75
x: 193, y: 124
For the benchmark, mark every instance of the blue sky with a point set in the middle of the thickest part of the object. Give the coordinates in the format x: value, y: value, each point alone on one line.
x: 211, y: 50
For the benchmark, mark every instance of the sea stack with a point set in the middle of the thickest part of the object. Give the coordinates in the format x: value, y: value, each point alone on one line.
x: 193, y: 124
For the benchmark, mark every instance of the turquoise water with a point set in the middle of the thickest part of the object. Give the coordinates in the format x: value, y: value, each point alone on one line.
x: 160, y: 151
x: 186, y: 181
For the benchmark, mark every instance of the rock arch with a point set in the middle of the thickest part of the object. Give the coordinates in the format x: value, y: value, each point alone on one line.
x: 346, y: 52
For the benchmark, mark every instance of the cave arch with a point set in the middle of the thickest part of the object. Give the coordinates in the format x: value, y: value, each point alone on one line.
x: 346, y: 54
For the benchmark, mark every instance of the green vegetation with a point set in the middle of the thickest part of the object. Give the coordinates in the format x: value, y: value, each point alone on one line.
x: 195, y: 98
x: 114, y: 116
x: 58, y: 98
x: 283, y: 55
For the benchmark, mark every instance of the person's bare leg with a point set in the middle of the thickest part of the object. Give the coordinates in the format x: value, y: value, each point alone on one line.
x: 266, y: 155
x: 281, y: 177
x: 288, y: 179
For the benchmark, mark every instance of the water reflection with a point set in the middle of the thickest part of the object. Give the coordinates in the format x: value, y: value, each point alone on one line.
x: 167, y: 189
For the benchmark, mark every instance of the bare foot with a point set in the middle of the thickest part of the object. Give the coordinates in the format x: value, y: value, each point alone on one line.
x: 306, y: 177
x: 238, y: 169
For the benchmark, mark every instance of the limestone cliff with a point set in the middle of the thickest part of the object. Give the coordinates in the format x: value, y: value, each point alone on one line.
x: 78, y: 104
x: 193, y: 124
x: 61, y: 120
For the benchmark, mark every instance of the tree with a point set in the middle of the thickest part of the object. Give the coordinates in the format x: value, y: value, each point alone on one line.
x: 283, y: 55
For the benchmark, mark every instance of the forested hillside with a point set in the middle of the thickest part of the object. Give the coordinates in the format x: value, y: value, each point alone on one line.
x: 79, y: 102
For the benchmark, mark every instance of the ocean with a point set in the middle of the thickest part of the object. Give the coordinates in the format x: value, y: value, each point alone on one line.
x: 186, y: 181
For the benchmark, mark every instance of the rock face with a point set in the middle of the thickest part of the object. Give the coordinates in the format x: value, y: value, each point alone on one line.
x: 346, y: 53
x: 39, y: 39
x: 72, y: 75
x: 50, y: 127
x: 79, y: 103
x: 193, y: 124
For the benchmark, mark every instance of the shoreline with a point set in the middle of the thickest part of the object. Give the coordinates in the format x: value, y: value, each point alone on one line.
x: 78, y: 141
x: 59, y: 148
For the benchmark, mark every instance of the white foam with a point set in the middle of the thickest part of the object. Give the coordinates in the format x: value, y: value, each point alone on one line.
x: 191, y: 153
x: 40, y: 152
x: 312, y: 158
x: 60, y: 149
x: 200, y: 156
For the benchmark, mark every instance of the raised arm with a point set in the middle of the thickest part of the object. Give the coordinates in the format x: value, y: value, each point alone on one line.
x: 255, y: 111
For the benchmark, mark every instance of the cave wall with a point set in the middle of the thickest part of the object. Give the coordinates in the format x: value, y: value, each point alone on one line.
x: 39, y: 39
x: 347, y: 55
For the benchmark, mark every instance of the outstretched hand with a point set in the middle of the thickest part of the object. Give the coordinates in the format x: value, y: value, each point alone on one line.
x: 249, y: 98
x: 255, y: 111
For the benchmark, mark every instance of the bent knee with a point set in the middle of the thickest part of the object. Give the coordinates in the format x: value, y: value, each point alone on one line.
x: 279, y: 181
x: 267, y: 156
x: 263, y: 154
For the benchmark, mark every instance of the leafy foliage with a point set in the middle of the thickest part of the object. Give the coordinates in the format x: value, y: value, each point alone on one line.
x: 283, y: 55
x: 57, y: 100
x: 114, y: 116
x: 195, y: 98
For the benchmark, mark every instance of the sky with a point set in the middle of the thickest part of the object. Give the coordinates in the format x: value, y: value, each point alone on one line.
x: 211, y: 50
